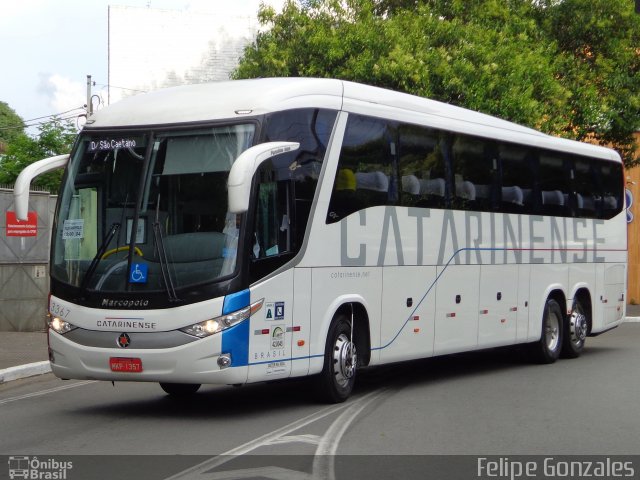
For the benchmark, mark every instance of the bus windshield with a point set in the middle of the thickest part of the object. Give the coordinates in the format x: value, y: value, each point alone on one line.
x: 148, y: 212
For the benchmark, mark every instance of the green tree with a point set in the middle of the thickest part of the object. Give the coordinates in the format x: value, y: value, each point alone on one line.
x: 501, y: 57
x: 11, y: 125
x: 599, y: 51
x: 54, y: 138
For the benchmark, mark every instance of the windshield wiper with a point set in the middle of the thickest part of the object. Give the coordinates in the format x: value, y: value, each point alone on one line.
x: 164, y: 262
x: 98, y: 256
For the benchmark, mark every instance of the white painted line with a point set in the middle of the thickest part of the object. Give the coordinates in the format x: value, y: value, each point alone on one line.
x: 271, y: 438
x: 273, y: 473
x: 306, y: 438
x: 197, y: 470
x: 324, y: 458
x: 24, y: 371
x: 45, y: 392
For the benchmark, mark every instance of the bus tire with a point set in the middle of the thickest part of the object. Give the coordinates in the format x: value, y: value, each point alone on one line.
x: 547, y: 349
x: 576, y: 327
x: 338, y: 375
x: 180, y: 390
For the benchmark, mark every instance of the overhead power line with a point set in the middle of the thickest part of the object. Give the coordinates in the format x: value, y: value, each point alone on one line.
x: 54, y: 114
x: 120, y: 88
x: 45, y: 119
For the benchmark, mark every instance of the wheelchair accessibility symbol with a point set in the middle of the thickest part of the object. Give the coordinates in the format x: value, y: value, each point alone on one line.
x: 138, y: 273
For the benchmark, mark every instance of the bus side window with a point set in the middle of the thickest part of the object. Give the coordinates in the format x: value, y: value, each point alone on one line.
x: 422, y: 170
x: 611, y: 192
x: 367, y: 169
x: 517, y: 179
x: 475, y: 168
x: 554, y: 182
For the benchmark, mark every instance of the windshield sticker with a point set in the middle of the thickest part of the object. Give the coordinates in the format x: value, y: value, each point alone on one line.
x: 140, y: 230
x: 111, y: 144
x: 139, y: 273
x: 73, y: 229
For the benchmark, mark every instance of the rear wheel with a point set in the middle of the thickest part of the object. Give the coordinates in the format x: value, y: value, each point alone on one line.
x: 547, y: 349
x: 338, y: 375
x: 575, y: 331
x: 180, y: 390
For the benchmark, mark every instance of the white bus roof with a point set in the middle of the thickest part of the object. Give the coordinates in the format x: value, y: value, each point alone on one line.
x: 242, y: 98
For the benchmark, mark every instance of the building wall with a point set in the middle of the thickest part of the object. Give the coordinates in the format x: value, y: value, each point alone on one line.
x: 633, y: 233
x: 151, y: 48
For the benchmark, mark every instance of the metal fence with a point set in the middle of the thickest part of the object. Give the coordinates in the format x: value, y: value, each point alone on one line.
x: 24, y: 266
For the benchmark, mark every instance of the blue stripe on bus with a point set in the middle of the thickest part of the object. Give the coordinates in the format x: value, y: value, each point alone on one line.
x: 290, y: 359
x: 433, y: 284
x: 235, y: 341
x: 236, y: 301
x: 455, y: 254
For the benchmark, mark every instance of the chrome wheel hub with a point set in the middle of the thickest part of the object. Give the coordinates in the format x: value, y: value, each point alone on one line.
x: 344, y: 360
x: 578, y: 327
x: 552, y: 332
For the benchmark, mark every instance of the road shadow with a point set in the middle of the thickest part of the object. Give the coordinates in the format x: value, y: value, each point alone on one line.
x: 285, y: 395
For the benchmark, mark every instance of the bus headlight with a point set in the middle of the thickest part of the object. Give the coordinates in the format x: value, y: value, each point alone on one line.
x: 218, y: 324
x: 60, y: 326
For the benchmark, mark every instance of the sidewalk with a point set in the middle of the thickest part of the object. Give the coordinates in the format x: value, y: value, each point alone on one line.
x: 633, y: 313
x: 25, y: 354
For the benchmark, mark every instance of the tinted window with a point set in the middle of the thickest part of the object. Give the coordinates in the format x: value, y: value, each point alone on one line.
x: 422, y: 153
x: 367, y: 170
x: 286, y: 185
x: 610, y: 193
x: 441, y: 169
x: 475, y: 167
x: 517, y: 188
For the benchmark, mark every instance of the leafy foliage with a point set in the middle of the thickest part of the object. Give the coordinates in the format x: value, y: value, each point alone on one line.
x: 54, y: 138
x: 11, y: 125
x: 568, y: 67
x: 599, y: 45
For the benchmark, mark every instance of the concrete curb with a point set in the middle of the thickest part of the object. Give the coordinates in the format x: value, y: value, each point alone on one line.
x: 24, y: 371
x: 632, y: 319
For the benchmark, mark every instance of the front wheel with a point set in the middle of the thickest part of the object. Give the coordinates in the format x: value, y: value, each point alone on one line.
x: 575, y: 331
x: 338, y: 375
x: 180, y: 390
x: 547, y: 349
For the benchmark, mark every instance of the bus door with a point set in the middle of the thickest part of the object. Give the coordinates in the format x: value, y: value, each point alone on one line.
x: 272, y: 246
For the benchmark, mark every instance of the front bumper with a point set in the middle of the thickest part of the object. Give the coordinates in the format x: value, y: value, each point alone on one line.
x: 194, y: 362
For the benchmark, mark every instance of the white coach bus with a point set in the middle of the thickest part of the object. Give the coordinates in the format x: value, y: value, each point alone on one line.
x: 257, y: 230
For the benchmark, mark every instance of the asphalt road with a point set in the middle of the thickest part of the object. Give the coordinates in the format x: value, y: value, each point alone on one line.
x: 485, y: 403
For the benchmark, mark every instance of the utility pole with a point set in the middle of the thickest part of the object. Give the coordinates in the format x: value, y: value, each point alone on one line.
x: 89, y: 105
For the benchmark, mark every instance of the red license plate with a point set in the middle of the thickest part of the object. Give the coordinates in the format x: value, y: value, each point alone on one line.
x: 120, y: 364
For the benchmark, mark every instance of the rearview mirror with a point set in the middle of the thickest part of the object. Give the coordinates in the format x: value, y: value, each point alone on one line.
x: 245, y: 166
x: 23, y: 182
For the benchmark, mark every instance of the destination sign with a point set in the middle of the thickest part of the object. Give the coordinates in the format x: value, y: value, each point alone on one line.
x: 111, y: 144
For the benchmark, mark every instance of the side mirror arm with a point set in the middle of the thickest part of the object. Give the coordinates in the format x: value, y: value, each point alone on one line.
x: 245, y: 167
x: 23, y: 182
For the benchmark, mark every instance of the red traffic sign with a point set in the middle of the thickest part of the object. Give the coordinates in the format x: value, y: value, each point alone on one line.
x: 22, y: 228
